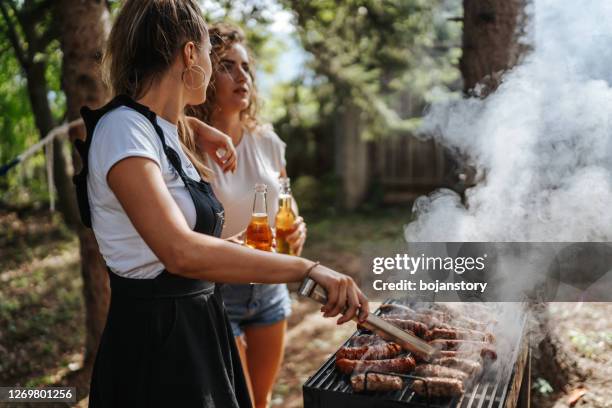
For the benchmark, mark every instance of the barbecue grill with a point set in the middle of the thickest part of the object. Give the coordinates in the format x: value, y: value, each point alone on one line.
x: 328, y: 388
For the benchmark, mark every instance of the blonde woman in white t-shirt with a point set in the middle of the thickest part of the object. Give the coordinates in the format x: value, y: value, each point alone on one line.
x: 258, y: 313
x: 167, y: 341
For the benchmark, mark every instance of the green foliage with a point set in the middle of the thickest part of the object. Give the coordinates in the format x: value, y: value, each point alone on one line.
x: 388, y: 57
x: 17, y: 132
x: 17, y: 129
x: 253, y: 16
x: 375, y: 54
x: 591, y: 344
x: 542, y: 386
x: 37, y: 42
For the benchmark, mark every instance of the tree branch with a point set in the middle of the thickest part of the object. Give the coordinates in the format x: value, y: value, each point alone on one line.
x: 13, y: 36
x: 32, y: 14
x: 5, y: 48
x: 50, y: 34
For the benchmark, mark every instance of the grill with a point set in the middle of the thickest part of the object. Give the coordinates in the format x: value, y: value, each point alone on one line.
x: 501, y: 388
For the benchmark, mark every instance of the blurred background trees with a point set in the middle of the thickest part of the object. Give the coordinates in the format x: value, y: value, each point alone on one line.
x: 369, y: 70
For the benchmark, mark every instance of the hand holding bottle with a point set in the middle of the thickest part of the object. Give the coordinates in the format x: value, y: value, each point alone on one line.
x: 286, y: 222
x: 297, y: 238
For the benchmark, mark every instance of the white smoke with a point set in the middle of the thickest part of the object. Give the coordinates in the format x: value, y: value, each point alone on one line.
x: 541, y: 143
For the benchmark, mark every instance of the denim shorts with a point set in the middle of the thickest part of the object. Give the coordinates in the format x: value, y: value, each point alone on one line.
x: 251, y: 305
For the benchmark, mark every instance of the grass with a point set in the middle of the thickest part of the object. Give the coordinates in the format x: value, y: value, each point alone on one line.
x: 41, y: 308
x: 349, y: 232
x: 591, y: 344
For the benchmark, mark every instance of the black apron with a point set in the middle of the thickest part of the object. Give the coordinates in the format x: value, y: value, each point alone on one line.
x: 167, y: 341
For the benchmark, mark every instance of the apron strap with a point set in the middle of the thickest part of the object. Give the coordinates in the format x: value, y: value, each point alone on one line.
x: 91, y: 118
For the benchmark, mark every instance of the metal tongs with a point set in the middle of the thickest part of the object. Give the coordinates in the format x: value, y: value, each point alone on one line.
x: 384, y: 329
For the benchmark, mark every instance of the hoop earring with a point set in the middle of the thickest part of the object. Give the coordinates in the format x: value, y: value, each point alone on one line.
x: 190, y: 70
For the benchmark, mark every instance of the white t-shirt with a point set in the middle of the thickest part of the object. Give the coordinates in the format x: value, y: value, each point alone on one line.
x: 260, y: 158
x: 119, y: 134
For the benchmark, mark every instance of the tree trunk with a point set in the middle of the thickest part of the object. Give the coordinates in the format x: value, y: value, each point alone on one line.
x: 84, y: 27
x: 351, y: 157
x: 37, y: 92
x: 492, y: 33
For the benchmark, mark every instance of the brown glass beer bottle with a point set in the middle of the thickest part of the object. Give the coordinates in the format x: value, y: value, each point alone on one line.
x: 285, y: 217
x: 258, y: 233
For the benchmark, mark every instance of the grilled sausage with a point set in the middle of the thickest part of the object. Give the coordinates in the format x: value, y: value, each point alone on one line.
x: 465, y: 346
x: 365, y: 340
x: 476, y: 355
x: 459, y: 334
x: 438, y: 387
x: 470, y: 367
x: 476, y: 311
x: 395, y: 308
x: 457, y: 320
x: 398, y: 365
x: 373, y: 352
x: 432, y: 370
x: 376, y: 382
x: 404, y: 312
x: 418, y: 328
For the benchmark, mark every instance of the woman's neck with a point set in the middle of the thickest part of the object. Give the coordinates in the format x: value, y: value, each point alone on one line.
x: 164, y: 99
x: 229, y: 124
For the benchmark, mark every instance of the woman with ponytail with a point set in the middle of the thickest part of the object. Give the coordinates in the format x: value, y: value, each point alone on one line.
x: 146, y: 194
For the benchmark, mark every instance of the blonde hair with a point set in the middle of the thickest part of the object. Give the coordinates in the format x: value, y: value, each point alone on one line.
x: 143, y: 43
x: 223, y: 36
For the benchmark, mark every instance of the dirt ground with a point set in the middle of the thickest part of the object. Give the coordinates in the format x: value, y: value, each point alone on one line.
x: 585, y: 332
x: 41, y: 312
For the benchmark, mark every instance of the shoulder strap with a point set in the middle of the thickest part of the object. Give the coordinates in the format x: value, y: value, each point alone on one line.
x: 91, y: 118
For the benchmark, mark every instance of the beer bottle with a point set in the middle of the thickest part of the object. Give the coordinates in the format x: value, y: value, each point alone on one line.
x: 285, y: 217
x: 259, y: 233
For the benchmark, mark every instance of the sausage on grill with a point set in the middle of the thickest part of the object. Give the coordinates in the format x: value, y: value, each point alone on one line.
x: 459, y: 334
x: 456, y: 320
x: 374, y: 352
x: 404, y: 312
x: 470, y: 367
x: 418, y: 328
x: 480, y: 313
x: 432, y: 370
x: 366, y: 340
x: 398, y: 365
x: 438, y: 387
x: 395, y: 308
x: 376, y: 382
x: 476, y: 355
x: 465, y: 347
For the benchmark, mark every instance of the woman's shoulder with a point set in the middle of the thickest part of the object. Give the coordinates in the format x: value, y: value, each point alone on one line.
x: 121, y: 133
x: 272, y: 145
x: 266, y: 134
x: 124, y: 120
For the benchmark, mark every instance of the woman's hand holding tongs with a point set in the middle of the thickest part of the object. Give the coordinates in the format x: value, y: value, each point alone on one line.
x: 343, y: 295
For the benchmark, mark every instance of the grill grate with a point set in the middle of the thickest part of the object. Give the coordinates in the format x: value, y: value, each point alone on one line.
x: 328, y: 388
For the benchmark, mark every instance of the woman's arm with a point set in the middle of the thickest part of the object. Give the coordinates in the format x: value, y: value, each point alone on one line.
x: 211, y: 140
x: 139, y: 186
